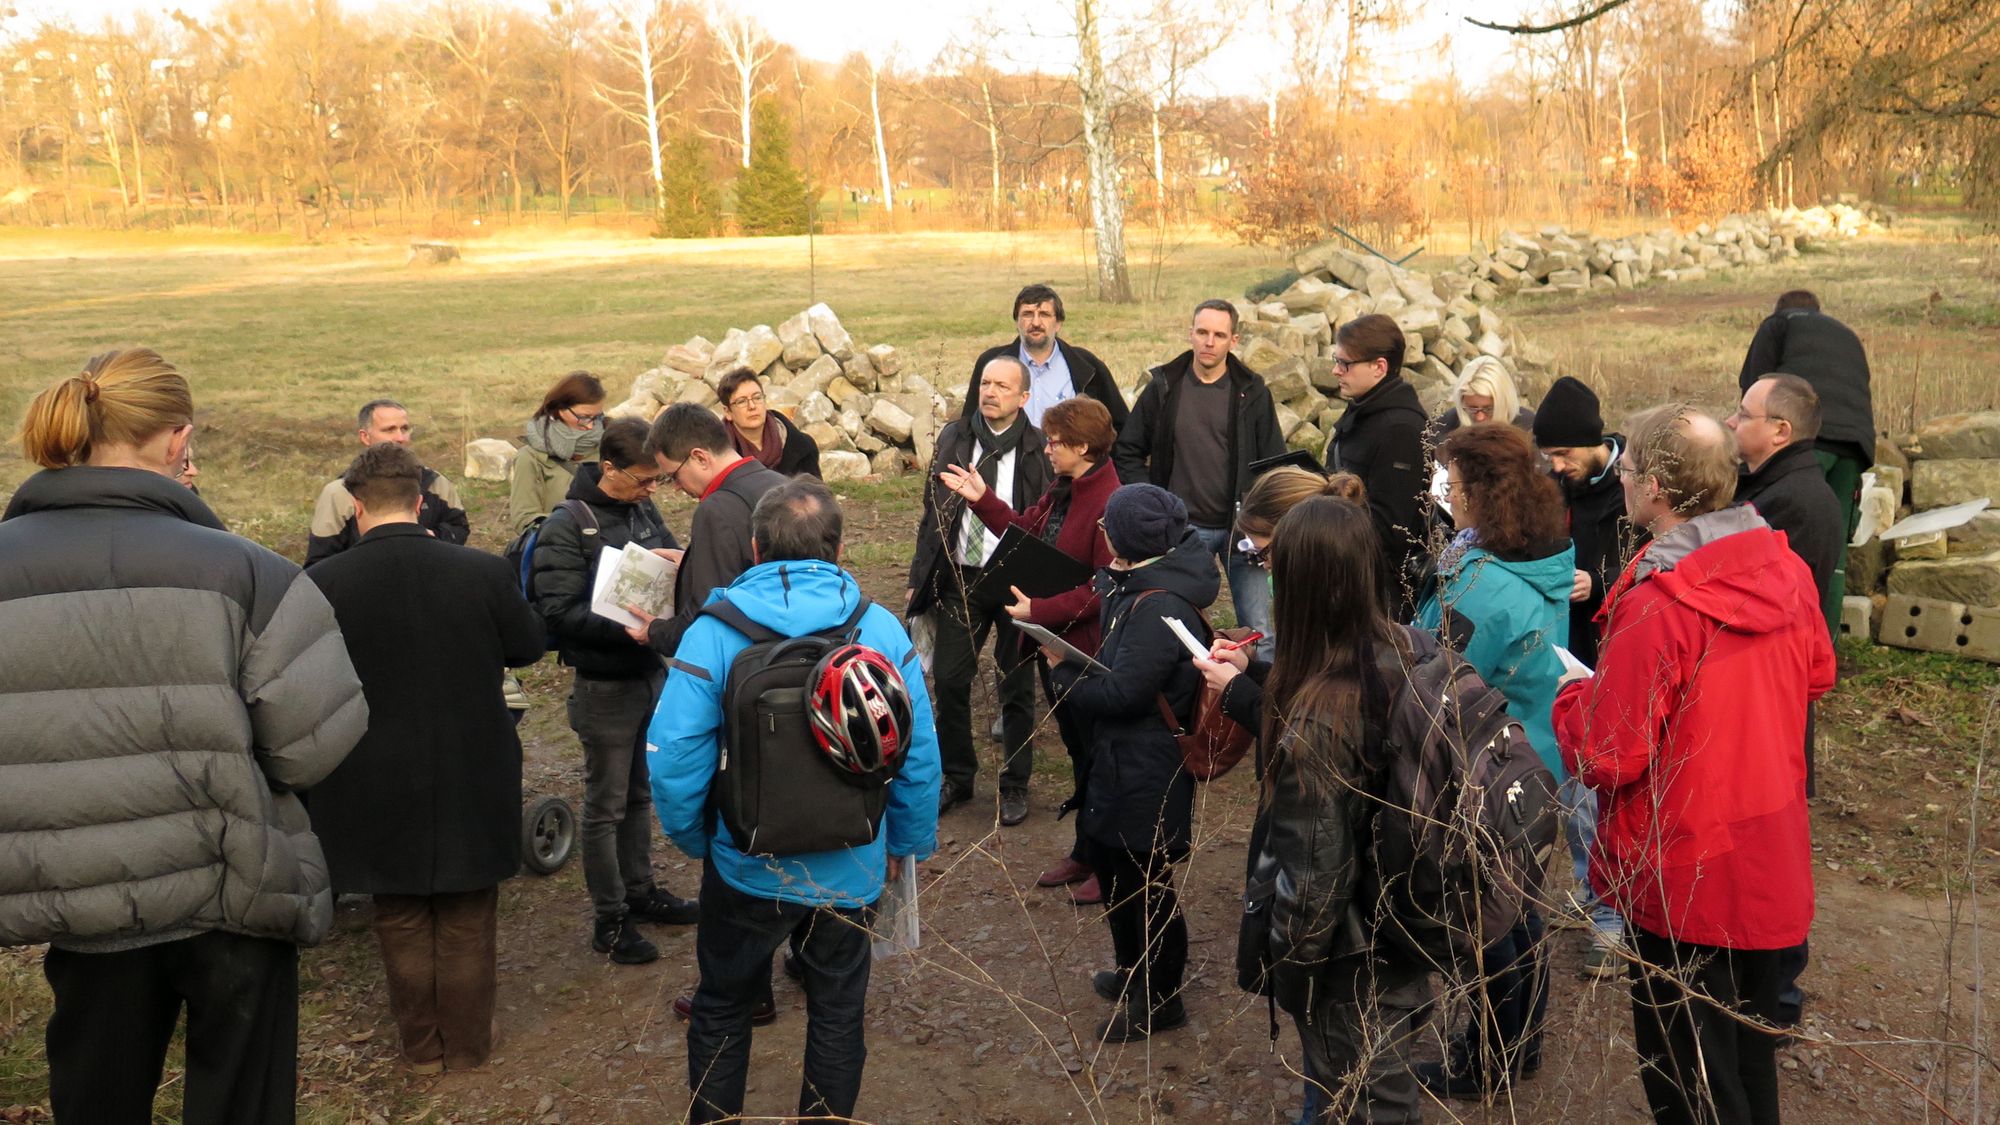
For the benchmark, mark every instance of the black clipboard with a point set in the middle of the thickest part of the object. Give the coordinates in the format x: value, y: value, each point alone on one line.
x: 1036, y: 567
x: 1297, y: 458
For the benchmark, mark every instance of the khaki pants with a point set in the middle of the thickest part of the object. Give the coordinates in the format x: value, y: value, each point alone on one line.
x: 438, y: 953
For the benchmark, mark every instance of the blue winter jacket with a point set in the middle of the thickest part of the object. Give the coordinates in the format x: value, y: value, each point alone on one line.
x: 683, y: 743
x: 1507, y: 619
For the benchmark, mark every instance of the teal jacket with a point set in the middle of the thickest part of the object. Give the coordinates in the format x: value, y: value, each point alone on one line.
x: 1507, y: 619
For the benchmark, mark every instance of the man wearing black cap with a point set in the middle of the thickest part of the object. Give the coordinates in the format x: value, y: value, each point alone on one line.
x: 1584, y: 458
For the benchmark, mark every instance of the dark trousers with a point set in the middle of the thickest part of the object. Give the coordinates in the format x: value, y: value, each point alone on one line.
x: 1843, y: 476
x: 610, y: 719
x: 1149, y: 936
x: 115, y: 1012
x: 1700, y: 1064
x: 733, y: 947
x: 1505, y: 1035
x: 1791, y: 998
x: 963, y: 623
x: 1357, y: 1053
x: 1075, y: 732
x: 438, y: 955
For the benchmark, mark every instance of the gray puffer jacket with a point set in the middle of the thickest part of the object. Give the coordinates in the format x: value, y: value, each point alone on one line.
x: 165, y: 688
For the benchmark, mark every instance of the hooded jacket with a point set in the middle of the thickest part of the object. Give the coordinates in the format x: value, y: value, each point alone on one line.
x: 1506, y: 617
x: 1827, y: 354
x: 1138, y: 798
x: 1692, y: 732
x: 1145, y: 450
x: 1073, y: 614
x: 1604, y: 539
x: 683, y: 744
x: 166, y: 690
x: 540, y: 476
x: 565, y: 567
x: 1380, y: 438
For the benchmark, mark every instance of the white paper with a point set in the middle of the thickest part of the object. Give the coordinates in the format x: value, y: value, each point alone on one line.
x: 1441, y: 488
x: 896, y: 929
x: 632, y: 576
x: 1070, y: 653
x: 1937, y: 519
x: 1193, y: 644
x: 1571, y: 665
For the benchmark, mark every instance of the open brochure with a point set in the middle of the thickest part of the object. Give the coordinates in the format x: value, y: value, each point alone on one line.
x: 1070, y: 653
x: 896, y: 930
x: 632, y: 575
x: 1573, y: 669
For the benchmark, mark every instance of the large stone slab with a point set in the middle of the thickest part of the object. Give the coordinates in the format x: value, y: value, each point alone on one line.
x: 488, y: 459
x: 1973, y: 579
x: 1930, y: 625
x: 891, y: 421
x: 801, y: 346
x: 1942, y: 483
x: 840, y: 465
x: 1977, y: 537
x: 828, y: 331
x: 1958, y: 437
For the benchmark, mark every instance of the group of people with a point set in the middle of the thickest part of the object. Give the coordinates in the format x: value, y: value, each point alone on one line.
x: 211, y: 743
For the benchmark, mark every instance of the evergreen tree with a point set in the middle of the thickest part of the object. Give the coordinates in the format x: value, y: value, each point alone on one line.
x: 771, y: 196
x: 690, y: 204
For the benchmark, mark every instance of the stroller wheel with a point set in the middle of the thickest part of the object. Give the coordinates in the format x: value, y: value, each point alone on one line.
x: 548, y: 834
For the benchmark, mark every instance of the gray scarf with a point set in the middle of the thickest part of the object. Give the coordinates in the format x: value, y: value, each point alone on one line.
x: 559, y: 441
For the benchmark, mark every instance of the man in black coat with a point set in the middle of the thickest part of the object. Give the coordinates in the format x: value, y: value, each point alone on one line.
x: 1775, y: 427
x: 1569, y: 430
x: 1801, y: 340
x: 952, y: 548
x: 1380, y: 438
x: 1202, y: 419
x: 1057, y: 369
x: 425, y: 814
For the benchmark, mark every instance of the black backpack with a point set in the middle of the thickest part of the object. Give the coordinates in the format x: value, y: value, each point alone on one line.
x: 1467, y: 817
x: 774, y: 788
x: 521, y: 552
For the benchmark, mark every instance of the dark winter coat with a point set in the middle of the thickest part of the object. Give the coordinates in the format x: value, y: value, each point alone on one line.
x: 1605, y: 541
x: 1072, y: 615
x: 1827, y: 354
x: 943, y: 507
x: 566, y: 565
x: 798, y: 455
x: 1138, y: 797
x: 430, y: 801
x: 165, y: 690
x: 1380, y: 438
x: 1145, y: 449
x: 1792, y: 495
x: 332, y: 530
x: 718, y: 548
x: 1087, y: 373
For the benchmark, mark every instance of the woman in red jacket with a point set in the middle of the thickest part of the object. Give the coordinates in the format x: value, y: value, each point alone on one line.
x: 1079, y: 435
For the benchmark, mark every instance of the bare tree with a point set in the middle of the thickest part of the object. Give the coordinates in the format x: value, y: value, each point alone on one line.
x: 744, y: 49
x: 559, y: 91
x: 650, y: 46
x: 1107, y: 201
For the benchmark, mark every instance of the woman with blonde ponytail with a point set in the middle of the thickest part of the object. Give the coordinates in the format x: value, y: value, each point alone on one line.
x: 167, y: 688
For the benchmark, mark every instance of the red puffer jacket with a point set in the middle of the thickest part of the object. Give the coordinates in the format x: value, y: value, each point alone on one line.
x: 1693, y: 734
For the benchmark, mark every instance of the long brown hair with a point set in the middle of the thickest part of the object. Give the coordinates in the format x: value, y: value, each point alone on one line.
x: 578, y: 388
x: 1515, y: 505
x: 1282, y: 489
x: 1331, y: 621
x: 119, y: 398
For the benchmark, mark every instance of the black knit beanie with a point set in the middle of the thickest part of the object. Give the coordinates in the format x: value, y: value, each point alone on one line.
x: 1568, y: 417
x: 1144, y: 521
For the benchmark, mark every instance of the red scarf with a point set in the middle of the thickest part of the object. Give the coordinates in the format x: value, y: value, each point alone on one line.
x: 772, y: 443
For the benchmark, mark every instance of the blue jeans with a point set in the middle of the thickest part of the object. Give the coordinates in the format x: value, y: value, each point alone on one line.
x: 1249, y: 586
x: 1580, y: 802
x: 733, y: 947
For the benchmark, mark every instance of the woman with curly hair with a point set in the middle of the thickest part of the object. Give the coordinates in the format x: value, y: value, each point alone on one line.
x: 1499, y: 595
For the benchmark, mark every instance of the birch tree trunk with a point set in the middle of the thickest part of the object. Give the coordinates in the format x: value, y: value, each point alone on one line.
x: 644, y: 30
x: 1107, y: 204
x: 881, y: 149
x: 992, y: 144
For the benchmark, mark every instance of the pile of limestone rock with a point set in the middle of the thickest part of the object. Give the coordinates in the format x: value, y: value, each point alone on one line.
x: 1447, y: 318
x: 1939, y: 591
x: 866, y: 412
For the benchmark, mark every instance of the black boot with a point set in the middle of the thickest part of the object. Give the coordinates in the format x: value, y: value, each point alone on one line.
x: 660, y: 907
x: 617, y: 936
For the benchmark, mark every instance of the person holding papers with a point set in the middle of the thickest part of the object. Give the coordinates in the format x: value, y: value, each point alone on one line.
x: 1078, y: 435
x: 1138, y: 808
x: 617, y: 683
x: 1499, y: 595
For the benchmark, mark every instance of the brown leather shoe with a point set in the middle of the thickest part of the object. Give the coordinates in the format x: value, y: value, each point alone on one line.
x: 1066, y: 871
x: 759, y: 1016
x: 1087, y: 893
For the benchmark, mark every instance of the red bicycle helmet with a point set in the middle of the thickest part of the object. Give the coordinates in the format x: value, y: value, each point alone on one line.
x: 860, y: 712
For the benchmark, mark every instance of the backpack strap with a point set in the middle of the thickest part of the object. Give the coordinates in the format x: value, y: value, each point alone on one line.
x: 582, y: 513
x: 738, y: 620
x: 1174, y: 724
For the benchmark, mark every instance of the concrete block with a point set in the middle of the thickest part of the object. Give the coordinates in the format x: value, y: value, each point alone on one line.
x: 1946, y: 627
x: 1855, y: 615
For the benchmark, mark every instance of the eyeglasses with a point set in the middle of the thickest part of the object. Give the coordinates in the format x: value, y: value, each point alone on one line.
x: 1340, y: 364
x: 644, y: 484
x: 1746, y: 416
x: 1253, y: 554
x: 747, y: 400
x: 587, y: 421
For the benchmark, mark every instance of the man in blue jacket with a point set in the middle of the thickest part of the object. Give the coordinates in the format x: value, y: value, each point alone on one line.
x: 752, y: 905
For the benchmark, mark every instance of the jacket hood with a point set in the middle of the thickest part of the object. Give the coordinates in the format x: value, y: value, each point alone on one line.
x: 587, y: 486
x: 793, y: 597
x: 1721, y: 565
x: 1188, y: 570
x: 90, y: 486
x: 1392, y: 393
x: 1550, y: 576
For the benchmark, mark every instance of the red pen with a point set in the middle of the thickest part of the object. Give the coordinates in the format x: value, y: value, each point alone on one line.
x: 1252, y: 639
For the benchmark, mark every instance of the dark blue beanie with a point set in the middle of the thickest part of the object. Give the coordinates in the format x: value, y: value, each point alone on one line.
x: 1144, y: 521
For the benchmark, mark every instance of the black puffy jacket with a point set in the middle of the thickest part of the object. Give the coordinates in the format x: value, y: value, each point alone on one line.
x: 566, y: 565
x: 1138, y: 796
